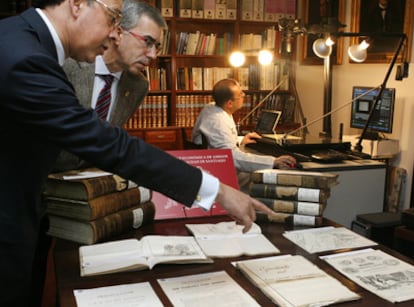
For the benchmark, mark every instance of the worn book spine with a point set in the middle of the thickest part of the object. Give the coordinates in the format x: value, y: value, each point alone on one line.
x: 84, y: 188
x: 99, y: 206
x: 299, y: 207
x: 318, y: 181
x: 103, y: 228
x: 291, y: 219
x: 266, y: 190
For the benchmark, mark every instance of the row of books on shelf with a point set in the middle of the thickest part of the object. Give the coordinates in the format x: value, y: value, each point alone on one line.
x: 251, y: 77
x: 256, y: 41
x: 251, y: 10
x: 298, y: 198
x: 198, y: 43
x: 152, y: 113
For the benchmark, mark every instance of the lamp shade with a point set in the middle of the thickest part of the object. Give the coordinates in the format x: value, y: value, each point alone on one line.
x: 322, y: 48
x: 265, y: 57
x: 237, y: 58
x: 358, y: 53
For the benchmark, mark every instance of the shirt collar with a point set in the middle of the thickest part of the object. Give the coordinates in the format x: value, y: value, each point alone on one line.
x: 58, y: 44
x: 101, y: 69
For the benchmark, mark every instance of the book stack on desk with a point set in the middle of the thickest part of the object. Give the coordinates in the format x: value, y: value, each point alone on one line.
x: 297, y: 197
x: 89, y: 205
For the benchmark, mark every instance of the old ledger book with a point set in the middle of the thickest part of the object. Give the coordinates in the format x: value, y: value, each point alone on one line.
x: 291, y: 206
x: 294, y: 281
x: 295, y: 178
x: 84, y: 184
x: 226, y: 239
x: 133, y: 254
x: 291, y: 219
x: 87, y: 210
x: 267, y: 190
x: 90, y: 232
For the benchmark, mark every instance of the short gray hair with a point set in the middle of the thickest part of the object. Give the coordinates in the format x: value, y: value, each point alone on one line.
x: 133, y: 10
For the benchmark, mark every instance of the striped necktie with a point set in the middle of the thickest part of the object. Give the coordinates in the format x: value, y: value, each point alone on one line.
x: 104, y: 98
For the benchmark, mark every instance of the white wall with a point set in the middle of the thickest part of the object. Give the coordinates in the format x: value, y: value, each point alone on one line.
x: 310, y: 84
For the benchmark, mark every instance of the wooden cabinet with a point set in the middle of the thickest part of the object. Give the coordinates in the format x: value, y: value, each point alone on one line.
x: 182, y: 77
x: 167, y: 138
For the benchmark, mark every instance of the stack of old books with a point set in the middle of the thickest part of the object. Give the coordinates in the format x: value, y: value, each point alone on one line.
x: 297, y: 197
x: 90, y: 205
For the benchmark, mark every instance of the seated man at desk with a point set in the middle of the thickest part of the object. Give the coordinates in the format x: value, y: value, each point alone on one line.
x: 216, y: 124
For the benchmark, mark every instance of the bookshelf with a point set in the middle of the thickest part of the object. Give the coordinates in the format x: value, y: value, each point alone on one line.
x: 183, y: 75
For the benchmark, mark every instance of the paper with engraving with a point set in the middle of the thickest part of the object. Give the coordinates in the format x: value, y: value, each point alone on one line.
x: 129, y: 295
x: 316, y: 240
x: 208, y: 289
x: 294, y: 281
x: 378, y: 272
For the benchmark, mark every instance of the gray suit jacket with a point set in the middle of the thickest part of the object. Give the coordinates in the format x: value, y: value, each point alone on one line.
x: 131, y: 92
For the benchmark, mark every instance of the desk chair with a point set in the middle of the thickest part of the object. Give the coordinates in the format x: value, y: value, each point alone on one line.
x: 190, y: 145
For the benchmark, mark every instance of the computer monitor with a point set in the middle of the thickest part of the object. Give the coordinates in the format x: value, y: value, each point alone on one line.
x: 382, y: 118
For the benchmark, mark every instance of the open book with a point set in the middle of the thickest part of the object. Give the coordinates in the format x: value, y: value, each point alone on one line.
x: 133, y: 254
x: 226, y: 239
x: 293, y: 281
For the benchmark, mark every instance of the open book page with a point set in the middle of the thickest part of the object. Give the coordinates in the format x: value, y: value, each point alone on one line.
x: 316, y: 240
x: 208, y: 289
x: 378, y: 272
x: 133, y: 254
x: 294, y: 281
x: 129, y: 295
x: 226, y: 239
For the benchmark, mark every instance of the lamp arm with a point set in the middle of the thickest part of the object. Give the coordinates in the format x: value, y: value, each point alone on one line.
x: 358, y: 145
x: 261, y: 102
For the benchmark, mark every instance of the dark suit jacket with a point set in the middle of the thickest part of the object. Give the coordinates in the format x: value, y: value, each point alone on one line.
x: 39, y: 116
x: 131, y: 91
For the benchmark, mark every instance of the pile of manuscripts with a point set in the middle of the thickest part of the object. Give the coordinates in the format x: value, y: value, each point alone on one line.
x: 90, y: 205
x: 297, y: 197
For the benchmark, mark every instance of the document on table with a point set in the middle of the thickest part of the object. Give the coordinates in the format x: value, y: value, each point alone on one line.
x: 378, y: 272
x: 128, y: 295
x: 316, y: 240
x: 208, y: 289
x: 294, y: 281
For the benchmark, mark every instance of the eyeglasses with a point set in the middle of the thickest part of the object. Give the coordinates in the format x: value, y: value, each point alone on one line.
x: 149, y: 41
x: 115, y: 14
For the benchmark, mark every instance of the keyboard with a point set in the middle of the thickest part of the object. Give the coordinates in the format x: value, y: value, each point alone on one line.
x: 276, y: 151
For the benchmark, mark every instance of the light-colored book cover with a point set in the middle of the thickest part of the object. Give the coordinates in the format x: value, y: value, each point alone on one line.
x: 221, y: 9
x: 209, y: 9
x: 185, y: 8
x: 294, y: 281
x: 231, y: 9
x: 197, y: 8
x: 247, y: 9
x: 205, y: 290
x: 258, y: 10
x: 167, y: 8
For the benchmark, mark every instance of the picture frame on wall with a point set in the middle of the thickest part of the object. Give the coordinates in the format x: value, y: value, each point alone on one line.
x: 314, y: 13
x: 368, y: 17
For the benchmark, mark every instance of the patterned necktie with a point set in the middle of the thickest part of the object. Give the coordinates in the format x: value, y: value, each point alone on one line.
x: 104, y: 98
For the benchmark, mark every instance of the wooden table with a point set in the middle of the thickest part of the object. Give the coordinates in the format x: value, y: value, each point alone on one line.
x: 66, y: 259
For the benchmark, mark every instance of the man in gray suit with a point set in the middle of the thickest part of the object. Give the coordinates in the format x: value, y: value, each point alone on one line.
x: 127, y: 55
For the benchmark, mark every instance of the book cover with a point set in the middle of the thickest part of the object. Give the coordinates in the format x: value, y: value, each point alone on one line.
x: 209, y: 9
x: 226, y: 239
x: 291, y: 219
x: 98, y: 207
x: 90, y: 232
x: 294, y: 281
x: 221, y: 9
x: 185, y: 8
x: 231, y: 9
x: 247, y: 10
x: 290, y: 206
x: 295, y: 178
x: 167, y: 8
x: 84, y: 184
x: 218, y: 162
x: 267, y: 190
x: 197, y: 8
x: 133, y: 254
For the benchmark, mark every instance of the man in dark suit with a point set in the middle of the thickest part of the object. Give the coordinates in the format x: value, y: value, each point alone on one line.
x: 41, y: 115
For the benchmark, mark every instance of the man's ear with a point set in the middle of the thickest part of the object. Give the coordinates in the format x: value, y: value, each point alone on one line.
x: 76, y: 6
